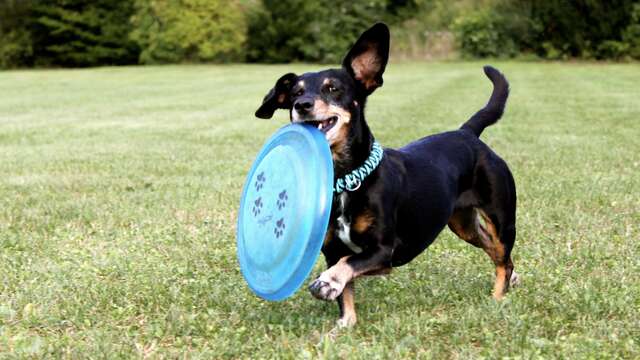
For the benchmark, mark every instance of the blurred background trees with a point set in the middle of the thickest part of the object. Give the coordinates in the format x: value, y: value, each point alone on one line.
x: 173, y: 31
x: 15, y: 33
x: 71, y: 33
x: 316, y: 31
x: 552, y: 29
x: 66, y: 33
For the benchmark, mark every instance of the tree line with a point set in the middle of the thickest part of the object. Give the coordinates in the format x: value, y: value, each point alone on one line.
x: 77, y: 33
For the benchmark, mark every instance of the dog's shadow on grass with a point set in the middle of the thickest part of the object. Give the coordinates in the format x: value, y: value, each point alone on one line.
x: 377, y: 299
x: 298, y: 312
x: 426, y: 286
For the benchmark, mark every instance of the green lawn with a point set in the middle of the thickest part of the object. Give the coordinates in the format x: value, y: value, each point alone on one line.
x: 119, y: 189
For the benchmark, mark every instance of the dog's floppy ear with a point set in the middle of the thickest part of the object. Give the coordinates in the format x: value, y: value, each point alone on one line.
x: 278, y: 97
x: 367, y: 59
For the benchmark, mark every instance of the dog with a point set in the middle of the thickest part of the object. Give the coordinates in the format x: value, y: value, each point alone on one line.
x: 394, y: 213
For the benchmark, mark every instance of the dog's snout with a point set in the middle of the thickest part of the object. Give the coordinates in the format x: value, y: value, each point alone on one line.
x: 303, y: 106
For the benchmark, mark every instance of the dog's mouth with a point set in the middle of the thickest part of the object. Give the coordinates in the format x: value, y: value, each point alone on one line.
x: 324, y: 125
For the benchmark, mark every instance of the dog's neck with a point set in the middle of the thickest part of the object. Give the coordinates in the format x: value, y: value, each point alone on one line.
x: 356, y: 149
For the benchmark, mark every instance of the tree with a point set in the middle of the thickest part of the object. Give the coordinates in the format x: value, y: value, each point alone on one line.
x: 299, y: 30
x: 82, y: 32
x: 189, y: 31
x: 15, y: 38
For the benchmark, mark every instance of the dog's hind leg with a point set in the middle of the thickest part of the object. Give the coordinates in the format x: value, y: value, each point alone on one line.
x: 496, y: 238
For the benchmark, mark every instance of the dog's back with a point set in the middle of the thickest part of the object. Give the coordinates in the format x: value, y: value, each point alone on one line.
x: 444, y: 171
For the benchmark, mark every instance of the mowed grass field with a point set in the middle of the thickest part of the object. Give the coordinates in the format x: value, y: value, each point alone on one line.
x: 119, y: 189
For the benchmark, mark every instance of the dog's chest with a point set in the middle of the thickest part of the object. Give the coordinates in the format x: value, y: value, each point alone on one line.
x: 344, y: 224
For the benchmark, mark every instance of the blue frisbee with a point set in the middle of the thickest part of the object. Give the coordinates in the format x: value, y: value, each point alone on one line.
x: 284, y: 211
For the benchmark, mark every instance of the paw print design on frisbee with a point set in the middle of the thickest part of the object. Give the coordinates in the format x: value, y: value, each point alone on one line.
x: 282, y: 199
x: 257, y: 206
x: 260, y: 180
x: 279, y: 229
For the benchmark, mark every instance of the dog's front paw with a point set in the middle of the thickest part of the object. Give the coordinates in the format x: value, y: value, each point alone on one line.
x: 325, y: 289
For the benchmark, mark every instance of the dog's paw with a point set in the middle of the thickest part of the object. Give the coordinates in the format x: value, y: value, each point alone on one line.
x: 515, y: 279
x: 325, y: 289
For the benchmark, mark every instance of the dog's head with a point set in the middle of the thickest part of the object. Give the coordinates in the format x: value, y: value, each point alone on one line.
x: 333, y: 100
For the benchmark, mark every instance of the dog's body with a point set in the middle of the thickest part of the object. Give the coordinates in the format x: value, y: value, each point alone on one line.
x: 451, y: 178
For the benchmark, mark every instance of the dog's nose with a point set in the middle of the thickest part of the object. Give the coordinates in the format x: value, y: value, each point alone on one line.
x: 303, y: 106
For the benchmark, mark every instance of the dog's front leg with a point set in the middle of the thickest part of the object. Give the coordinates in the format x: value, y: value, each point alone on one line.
x: 332, y: 282
x: 347, y: 305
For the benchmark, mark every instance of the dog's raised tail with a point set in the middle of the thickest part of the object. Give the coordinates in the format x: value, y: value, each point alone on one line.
x: 490, y: 114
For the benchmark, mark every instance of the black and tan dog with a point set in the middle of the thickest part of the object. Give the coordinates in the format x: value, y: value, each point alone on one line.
x: 451, y: 178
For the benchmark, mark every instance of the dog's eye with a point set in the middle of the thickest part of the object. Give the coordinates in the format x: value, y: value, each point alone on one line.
x: 331, y: 88
x: 299, y: 92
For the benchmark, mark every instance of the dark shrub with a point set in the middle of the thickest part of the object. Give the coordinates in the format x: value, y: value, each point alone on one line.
x: 555, y: 29
x: 82, y: 32
x: 15, y: 38
x: 479, y: 34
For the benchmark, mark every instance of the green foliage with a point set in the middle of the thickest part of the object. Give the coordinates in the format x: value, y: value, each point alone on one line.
x: 82, y: 32
x: 440, y: 14
x: 611, y: 49
x: 586, y: 29
x: 631, y: 35
x: 15, y: 48
x: 319, y: 31
x: 554, y: 29
x: 15, y: 38
x: 423, y: 31
x: 483, y: 34
x: 176, y: 31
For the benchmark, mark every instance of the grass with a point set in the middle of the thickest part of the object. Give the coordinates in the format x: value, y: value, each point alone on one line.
x: 118, y: 197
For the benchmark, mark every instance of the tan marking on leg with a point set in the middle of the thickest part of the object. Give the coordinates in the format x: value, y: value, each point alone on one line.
x: 363, y: 221
x: 341, y: 271
x: 348, y: 273
x: 463, y: 223
x: 501, y: 279
x: 348, y: 317
x: 495, y: 249
x: 490, y: 240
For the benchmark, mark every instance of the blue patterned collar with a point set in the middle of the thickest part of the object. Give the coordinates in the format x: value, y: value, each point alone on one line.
x: 353, y: 180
